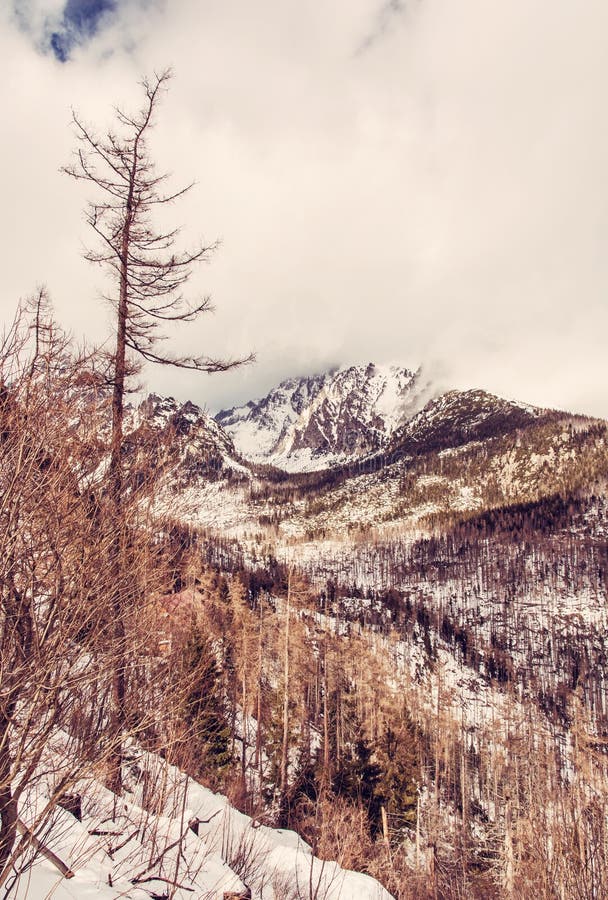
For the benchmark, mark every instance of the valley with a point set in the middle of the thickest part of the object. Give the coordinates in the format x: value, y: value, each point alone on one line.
x: 469, y: 548
x: 383, y: 632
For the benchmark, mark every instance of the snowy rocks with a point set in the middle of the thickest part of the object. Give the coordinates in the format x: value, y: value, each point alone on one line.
x: 311, y: 422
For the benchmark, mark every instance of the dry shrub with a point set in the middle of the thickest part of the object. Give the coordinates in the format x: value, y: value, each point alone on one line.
x: 336, y: 829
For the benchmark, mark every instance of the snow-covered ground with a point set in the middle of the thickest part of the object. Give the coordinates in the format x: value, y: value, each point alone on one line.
x: 169, y: 836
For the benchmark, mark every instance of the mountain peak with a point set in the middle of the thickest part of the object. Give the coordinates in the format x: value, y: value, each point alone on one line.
x: 310, y: 422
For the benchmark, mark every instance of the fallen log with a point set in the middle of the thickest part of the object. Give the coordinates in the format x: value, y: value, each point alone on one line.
x: 41, y: 848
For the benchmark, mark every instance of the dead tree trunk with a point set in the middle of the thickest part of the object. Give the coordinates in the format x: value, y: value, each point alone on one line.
x: 283, y: 780
x: 8, y: 803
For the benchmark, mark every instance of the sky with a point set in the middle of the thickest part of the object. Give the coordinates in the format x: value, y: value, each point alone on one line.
x: 411, y: 182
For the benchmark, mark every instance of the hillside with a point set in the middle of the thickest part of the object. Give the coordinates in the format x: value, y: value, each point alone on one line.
x: 374, y: 667
x: 463, y: 452
x: 189, y: 840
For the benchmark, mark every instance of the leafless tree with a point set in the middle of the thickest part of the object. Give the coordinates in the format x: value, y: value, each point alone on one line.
x: 52, y: 582
x: 149, y: 274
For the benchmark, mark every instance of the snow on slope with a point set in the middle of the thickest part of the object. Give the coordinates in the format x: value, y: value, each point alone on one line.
x: 184, y: 420
x: 457, y: 417
x: 311, y: 422
x: 257, y: 427
x: 140, y: 845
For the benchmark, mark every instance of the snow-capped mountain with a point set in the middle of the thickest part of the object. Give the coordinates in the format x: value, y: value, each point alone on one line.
x: 184, y: 420
x: 365, y: 447
x: 351, y: 420
x: 312, y: 422
x: 259, y: 426
x: 182, y: 440
x: 458, y: 417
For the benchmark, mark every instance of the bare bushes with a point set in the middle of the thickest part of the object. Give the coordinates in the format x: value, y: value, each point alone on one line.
x: 51, y: 576
x: 57, y: 640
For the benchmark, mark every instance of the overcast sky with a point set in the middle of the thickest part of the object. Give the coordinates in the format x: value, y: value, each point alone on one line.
x: 412, y: 181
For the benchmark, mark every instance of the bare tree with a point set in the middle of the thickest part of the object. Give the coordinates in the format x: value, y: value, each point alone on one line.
x: 148, y: 271
x: 52, y: 583
x: 149, y: 274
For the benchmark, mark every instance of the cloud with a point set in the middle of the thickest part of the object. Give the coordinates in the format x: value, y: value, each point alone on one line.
x: 440, y: 197
x: 81, y: 20
x: 61, y: 27
x: 384, y: 20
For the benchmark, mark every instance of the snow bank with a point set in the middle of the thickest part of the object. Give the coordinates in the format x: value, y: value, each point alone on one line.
x: 168, y: 833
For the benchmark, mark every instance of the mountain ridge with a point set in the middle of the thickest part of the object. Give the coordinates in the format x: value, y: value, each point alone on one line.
x: 462, y: 452
x: 314, y: 421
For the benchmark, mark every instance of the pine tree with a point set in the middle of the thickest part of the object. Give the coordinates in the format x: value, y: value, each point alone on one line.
x: 398, y: 759
x: 204, y: 713
x: 359, y: 779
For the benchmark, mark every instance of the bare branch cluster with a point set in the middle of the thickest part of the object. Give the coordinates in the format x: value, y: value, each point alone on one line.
x: 144, y: 262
